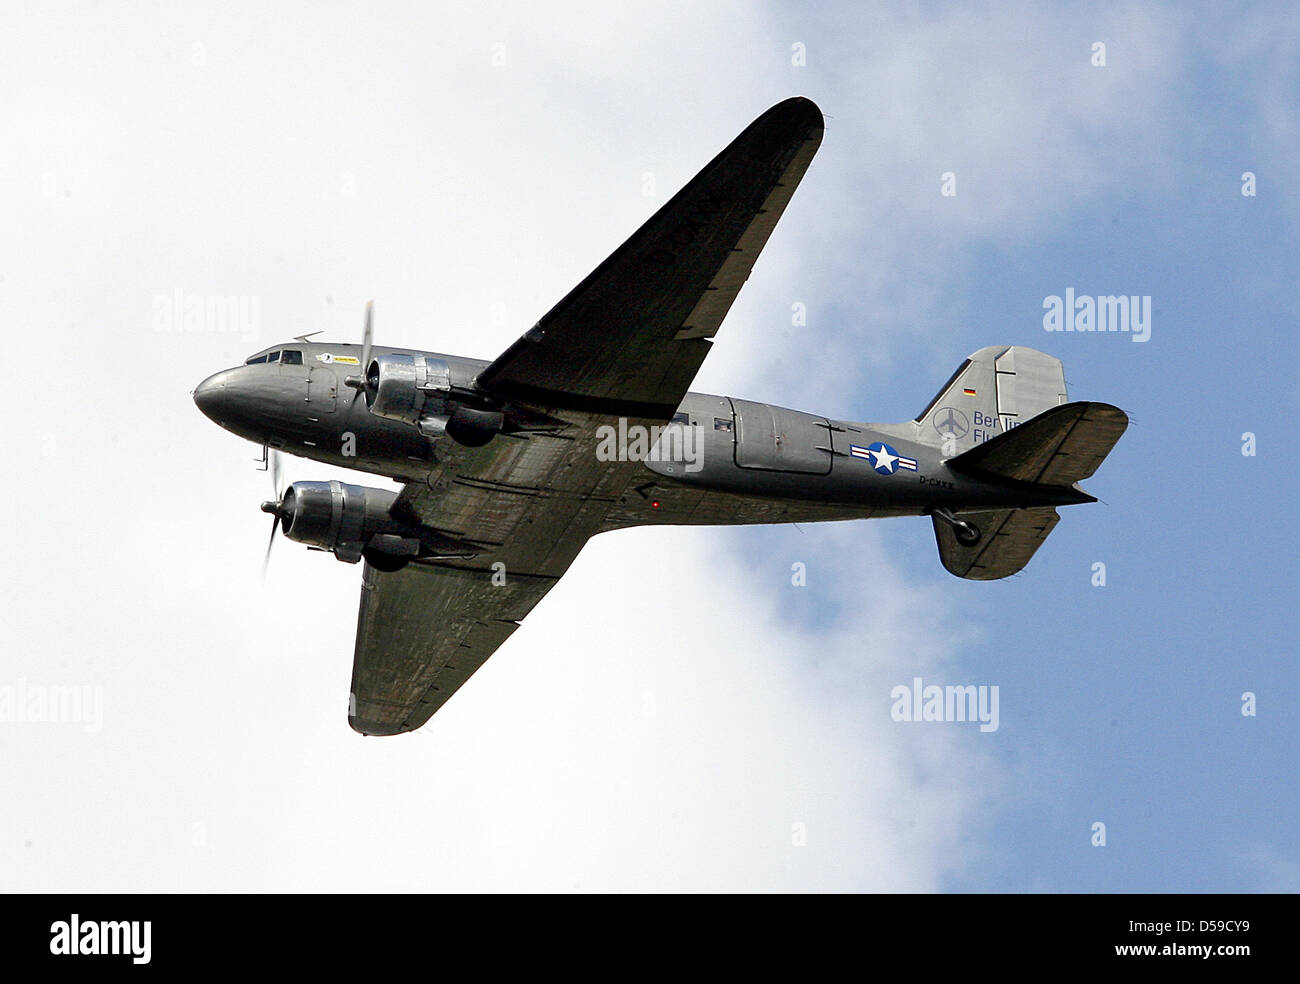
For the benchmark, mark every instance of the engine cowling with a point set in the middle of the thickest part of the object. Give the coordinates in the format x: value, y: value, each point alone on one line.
x: 347, y: 520
x: 355, y: 521
x: 416, y: 389
x: 407, y: 387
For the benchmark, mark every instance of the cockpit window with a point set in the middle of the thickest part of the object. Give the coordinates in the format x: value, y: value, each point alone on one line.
x: 273, y: 357
x: 291, y: 358
x: 254, y: 360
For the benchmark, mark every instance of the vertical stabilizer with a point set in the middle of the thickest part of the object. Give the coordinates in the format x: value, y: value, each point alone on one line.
x: 993, y: 391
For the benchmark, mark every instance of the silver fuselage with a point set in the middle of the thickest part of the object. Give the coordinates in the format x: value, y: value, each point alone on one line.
x: 753, y: 462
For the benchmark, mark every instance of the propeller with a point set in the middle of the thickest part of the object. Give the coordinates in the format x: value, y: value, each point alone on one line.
x: 367, y: 336
x: 368, y: 333
x: 277, y: 507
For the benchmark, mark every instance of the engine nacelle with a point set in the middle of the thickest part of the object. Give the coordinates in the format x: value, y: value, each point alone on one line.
x: 346, y: 520
x: 407, y: 387
x: 416, y: 389
x: 355, y: 521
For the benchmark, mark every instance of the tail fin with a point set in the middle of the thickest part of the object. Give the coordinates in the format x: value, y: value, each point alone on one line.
x: 994, y: 390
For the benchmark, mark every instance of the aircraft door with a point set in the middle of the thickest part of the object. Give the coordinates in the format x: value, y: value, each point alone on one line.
x: 322, y: 388
x: 777, y: 439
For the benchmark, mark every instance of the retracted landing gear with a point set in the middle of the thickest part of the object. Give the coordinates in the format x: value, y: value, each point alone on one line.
x: 967, y: 534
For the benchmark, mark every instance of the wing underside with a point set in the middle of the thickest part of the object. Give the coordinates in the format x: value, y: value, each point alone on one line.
x: 528, y: 505
x: 630, y: 338
x: 422, y: 632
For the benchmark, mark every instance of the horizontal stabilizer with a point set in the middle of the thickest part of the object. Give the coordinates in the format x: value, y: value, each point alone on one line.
x: 1060, y: 446
x: 1008, y: 538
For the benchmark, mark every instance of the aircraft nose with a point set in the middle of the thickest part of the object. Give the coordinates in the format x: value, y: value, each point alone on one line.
x: 210, y: 395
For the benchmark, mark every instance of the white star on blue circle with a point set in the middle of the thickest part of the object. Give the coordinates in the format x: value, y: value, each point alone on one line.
x: 885, y: 458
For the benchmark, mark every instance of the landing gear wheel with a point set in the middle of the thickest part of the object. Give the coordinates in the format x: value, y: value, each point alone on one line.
x: 964, y: 531
x: 385, y: 562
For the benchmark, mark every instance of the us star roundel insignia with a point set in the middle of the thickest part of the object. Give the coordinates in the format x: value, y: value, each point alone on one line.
x: 883, y: 458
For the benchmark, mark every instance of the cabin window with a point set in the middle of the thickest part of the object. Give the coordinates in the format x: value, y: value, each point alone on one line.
x: 682, y: 418
x: 722, y: 424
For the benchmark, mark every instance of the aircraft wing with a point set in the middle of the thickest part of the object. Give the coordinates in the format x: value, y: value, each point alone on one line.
x: 527, y: 506
x: 422, y: 632
x: 629, y: 339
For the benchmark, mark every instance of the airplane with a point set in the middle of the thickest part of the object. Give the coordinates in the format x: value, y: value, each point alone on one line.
x: 585, y: 424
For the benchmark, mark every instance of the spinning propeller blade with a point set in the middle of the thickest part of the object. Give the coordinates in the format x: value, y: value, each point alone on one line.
x: 275, y: 506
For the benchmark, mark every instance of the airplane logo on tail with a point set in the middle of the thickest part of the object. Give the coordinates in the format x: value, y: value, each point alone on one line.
x: 948, y: 420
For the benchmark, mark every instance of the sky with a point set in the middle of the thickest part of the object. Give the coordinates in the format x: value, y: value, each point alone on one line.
x: 678, y: 714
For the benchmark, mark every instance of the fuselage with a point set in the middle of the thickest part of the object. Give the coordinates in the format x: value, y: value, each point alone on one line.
x: 724, y: 461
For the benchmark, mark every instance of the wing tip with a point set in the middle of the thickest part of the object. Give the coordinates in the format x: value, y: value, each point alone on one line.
x: 372, y: 728
x: 798, y: 111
